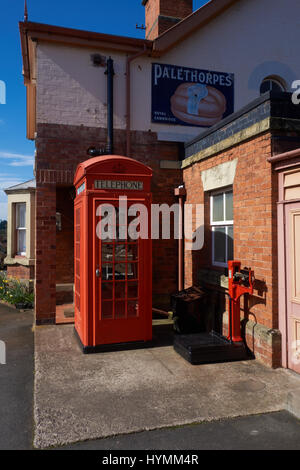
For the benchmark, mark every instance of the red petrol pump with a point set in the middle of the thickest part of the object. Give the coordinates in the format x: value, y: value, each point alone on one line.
x: 113, y: 264
x: 203, y: 348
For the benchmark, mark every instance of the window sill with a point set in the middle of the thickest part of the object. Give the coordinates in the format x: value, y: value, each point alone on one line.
x: 219, y: 266
x: 214, y: 276
x: 18, y: 259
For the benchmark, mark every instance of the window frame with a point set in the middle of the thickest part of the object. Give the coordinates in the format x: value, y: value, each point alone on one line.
x: 224, y: 223
x: 20, y: 229
x: 272, y: 80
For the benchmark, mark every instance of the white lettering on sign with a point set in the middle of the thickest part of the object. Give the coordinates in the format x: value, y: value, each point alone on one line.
x: 296, y: 94
x: 2, y: 353
x: 191, y: 75
x: 2, y: 92
x: 114, y: 184
x: 81, y: 188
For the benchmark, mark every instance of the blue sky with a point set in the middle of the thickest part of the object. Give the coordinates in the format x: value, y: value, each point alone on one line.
x: 115, y: 17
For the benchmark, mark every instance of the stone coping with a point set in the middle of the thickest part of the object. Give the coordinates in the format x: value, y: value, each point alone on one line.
x: 19, y: 260
x: 272, y: 111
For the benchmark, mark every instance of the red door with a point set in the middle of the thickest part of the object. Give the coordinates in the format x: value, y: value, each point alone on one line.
x: 292, y: 224
x: 121, y: 280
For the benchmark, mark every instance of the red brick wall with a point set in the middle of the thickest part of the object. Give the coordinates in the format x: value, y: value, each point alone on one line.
x: 21, y: 272
x: 154, y: 8
x: 255, y: 237
x: 65, y: 236
x: 255, y: 233
x: 178, y: 9
x: 45, y: 268
x: 151, y: 15
x: 59, y: 150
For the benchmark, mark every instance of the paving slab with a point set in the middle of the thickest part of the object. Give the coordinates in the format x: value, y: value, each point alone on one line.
x: 80, y: 397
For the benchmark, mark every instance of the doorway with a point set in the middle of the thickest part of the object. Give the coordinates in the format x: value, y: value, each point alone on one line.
x: 289, y: 257
x: 292, y: 254
x: 121, y: 278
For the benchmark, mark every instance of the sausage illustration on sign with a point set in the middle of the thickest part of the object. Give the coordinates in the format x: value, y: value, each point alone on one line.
x: 198, y: 104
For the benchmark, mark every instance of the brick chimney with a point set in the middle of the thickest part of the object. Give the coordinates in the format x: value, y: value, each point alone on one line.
x: 163, y: 14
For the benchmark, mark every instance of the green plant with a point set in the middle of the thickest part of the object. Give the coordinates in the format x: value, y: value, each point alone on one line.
x: 14, y: 291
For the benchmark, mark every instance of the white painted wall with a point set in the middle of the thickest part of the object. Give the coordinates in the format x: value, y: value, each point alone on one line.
x: 70, y: 90
x: 253, y: 39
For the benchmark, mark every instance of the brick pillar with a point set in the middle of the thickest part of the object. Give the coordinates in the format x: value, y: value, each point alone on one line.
x: 45, y: 267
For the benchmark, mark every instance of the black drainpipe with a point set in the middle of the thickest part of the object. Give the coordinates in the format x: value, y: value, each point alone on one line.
x: 110, y: 105
x: 109, y: 148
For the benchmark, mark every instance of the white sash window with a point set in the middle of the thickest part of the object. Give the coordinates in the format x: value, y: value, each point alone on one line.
x: 221, y: 221
x: 21, y: 228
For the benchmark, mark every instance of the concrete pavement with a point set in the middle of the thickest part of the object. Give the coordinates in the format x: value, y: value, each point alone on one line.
x: 16, y: 379
x: 272, y: 431
x: 80, y: 397
x: 115, y: 383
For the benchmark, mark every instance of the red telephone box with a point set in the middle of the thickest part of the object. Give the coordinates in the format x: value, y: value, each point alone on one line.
x: 113, y: 266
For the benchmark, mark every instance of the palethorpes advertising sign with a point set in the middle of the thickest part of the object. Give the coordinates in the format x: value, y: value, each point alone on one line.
x: 190, y: 97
